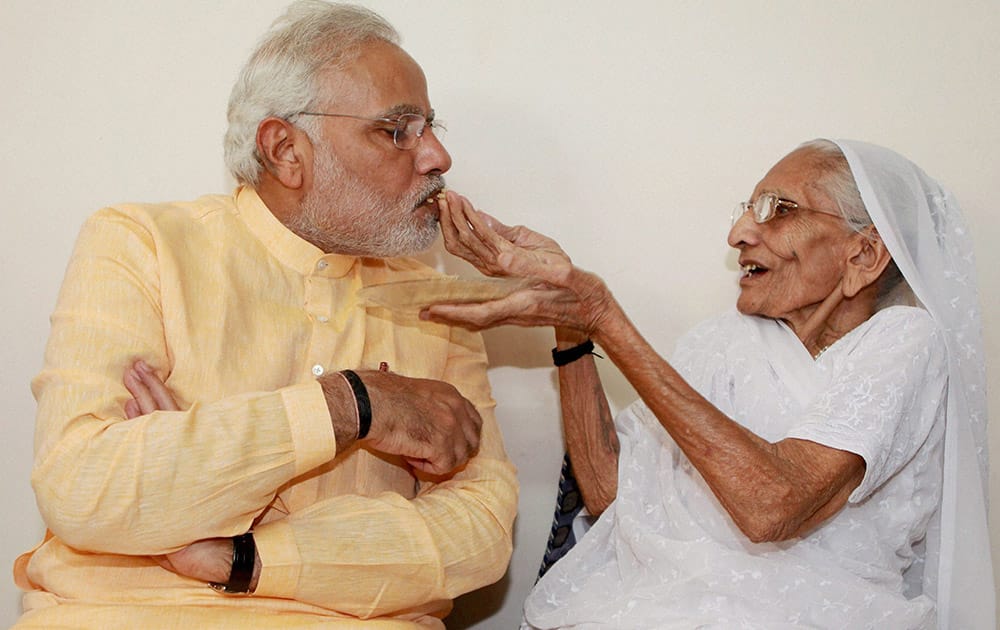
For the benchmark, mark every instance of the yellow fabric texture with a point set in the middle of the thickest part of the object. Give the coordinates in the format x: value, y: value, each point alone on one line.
x: 241, y: 315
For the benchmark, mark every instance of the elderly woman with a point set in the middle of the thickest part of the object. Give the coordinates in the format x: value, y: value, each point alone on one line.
x: 814, y: 458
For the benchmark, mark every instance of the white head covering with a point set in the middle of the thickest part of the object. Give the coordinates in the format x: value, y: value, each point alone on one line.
x: 921, y: 224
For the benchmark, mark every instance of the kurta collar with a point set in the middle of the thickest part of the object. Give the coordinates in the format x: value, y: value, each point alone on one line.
x: 285, y: 245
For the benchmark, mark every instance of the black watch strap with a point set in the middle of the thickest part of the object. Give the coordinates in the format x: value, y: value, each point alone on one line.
x: 567, y: 356
x: 241, y: 573
x: 364, y: 403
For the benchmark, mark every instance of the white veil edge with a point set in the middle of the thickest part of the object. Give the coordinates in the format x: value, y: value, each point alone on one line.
x: 921, y: 224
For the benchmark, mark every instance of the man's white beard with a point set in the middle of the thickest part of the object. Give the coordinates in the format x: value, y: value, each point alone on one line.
x: 343, y: 215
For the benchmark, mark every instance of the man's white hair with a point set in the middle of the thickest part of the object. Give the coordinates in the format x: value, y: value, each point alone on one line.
x: 280, y: 78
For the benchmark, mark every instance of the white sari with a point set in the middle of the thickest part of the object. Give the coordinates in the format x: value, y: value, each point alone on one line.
x: 665, y: 554
x: 905, y: 390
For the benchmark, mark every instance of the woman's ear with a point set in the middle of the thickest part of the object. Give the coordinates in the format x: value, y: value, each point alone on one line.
x: 284, y: 150
x: 868, y: 258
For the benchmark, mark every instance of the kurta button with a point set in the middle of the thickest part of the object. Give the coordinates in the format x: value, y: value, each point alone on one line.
x: 318, y: 370
x: 323, y: 318
x: 321, y: 265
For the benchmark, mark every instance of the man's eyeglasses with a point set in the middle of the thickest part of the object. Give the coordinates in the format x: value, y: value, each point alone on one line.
x: 765, y: 208
x: 407, y: 129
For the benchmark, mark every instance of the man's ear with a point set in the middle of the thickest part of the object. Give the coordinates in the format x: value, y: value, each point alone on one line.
x: 868, y: 259
x: 284, y: 150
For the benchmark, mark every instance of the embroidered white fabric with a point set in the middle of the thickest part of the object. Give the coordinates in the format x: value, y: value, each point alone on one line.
x: 922, y: 225
x: 898, y: 390
x: 667, y: 555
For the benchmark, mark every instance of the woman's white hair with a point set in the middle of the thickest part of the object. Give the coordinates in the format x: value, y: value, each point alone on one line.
x: 838, y: 182
x: 280, y: 78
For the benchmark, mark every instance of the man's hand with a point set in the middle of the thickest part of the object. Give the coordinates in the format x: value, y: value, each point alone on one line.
x: 206, y: 560
x: 149, y: 394
x: 433, y: 427
x: 209, y: 560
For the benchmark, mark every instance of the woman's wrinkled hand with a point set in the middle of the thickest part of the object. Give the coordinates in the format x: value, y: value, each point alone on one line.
x: 496, y: 249
x: 560, y: 295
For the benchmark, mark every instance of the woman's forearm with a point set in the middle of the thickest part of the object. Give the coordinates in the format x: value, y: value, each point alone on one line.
x: 773, y: 491
x: 588, y: 426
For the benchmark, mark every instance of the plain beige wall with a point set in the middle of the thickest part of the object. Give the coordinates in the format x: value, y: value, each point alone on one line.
x: 627, y: 130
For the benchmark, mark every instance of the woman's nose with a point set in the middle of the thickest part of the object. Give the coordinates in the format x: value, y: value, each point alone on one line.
x: 744, y: 230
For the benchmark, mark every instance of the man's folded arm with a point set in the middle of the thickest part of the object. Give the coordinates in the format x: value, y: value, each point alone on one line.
x: 157, y: 482
x: 383, y: 555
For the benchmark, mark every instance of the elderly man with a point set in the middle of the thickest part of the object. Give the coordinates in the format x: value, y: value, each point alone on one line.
x: 272, y: 435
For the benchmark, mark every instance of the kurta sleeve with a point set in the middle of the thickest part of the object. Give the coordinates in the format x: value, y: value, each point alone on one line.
x: 885, y: 396
x: 369, y: 557
x: 152, y: 484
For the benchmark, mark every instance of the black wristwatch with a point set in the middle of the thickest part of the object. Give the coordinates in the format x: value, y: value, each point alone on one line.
x: 241, y: 573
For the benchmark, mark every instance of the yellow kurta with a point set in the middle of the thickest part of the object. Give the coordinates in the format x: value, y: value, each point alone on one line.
x: 241, y: 315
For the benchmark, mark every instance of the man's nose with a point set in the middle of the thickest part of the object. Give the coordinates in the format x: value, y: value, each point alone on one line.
x: 431, y: 154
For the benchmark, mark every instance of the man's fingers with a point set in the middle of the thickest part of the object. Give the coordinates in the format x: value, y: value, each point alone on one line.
x: 132, y: 409
x: 160, y: 393
x: 164, y: 561
x: 429, y: 423
x: 149, y: 393
x: 473, y: 430
x: 140, y: 393
x: 430, y: 467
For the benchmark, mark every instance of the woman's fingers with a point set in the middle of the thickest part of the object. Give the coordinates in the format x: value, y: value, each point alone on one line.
x: 497, y: 249
x: 528, y: 307
x: 468, y: 234
x: 448, y: 229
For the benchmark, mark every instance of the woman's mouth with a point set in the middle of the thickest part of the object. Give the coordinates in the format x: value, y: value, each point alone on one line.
x: 751, y: 270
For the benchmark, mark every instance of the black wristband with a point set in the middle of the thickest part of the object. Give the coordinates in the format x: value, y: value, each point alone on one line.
x: 241, y: 573
x: 364, y: 404
x: 564, y: 357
